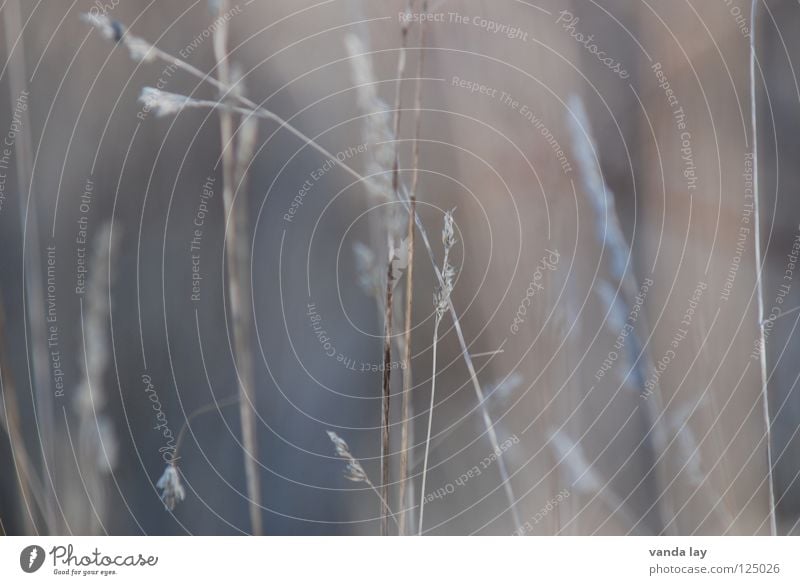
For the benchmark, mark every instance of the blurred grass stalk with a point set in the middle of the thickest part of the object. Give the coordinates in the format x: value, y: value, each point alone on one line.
x: 29, y: 482
x: 237, y: 256
x: 623, y: 286
x: 33, y: 296
x: 759, y: 267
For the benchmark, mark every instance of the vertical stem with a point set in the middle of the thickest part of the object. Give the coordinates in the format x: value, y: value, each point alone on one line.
x: 33, y: 294
x: 430, y: 425
x: 759, y: 265
x: 411, y: 237
x: 236, y: 254
x: 387, y: 370
x: 407, y: 379
x: 29, y: 484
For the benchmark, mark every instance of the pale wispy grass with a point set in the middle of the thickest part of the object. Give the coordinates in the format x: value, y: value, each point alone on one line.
x: 113, y: 30
x: 759, y: 268
x: 172, y: 490
x: 97, y: 444
x: 378, y: 121
x: 441, y: 301
x: 355, y: 471
x: 586, y: 480
x: 617, y: 294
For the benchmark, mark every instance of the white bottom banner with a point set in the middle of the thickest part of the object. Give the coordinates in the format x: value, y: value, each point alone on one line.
x: 400, y: 560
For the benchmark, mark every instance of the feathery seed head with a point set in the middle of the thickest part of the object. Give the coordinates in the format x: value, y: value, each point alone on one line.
x: 354, y: 471
x: 369, y: 277
x: 164, y: 103
x: 172, y: 492
x: 448, y: 233
x: 110, y: 29
x: 441, y: 298
x: 113, y: 30
x: 377, y: 131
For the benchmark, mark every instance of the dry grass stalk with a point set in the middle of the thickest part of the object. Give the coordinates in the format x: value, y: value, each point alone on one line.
x: 355, y: 471
x: 386, y: 386
x: 476, y: 385
x: 380, y: 131
x: 250, y: 107
x: 441, y: 302
x: 620, y: 292
x: 97, y: 441
x: 238, y: 265
x: 368, y: 101
x: 405, y: 503
x: 29, y: 482
x: 33, y: 298
x: 759, y: 267
x: 406, y: 341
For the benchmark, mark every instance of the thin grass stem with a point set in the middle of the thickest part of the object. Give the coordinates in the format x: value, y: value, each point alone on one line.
x: 237, y: 259
x: 760, y: 265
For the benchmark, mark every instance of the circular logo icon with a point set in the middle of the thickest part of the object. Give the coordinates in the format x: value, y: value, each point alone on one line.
x: 31, y: 558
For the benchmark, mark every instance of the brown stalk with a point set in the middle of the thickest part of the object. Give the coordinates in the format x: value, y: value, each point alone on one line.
x: 407, y: 377
x: 401, y: 66
x: 387, y: 370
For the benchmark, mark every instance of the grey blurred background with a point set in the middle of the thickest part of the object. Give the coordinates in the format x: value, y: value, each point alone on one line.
x: 513, y: 201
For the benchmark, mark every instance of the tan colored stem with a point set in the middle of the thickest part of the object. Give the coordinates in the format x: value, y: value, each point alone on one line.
x: 236, y: 254
x: 411, y: 240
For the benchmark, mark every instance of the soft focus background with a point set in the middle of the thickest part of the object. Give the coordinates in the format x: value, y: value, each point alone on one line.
x: 590, y: 450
